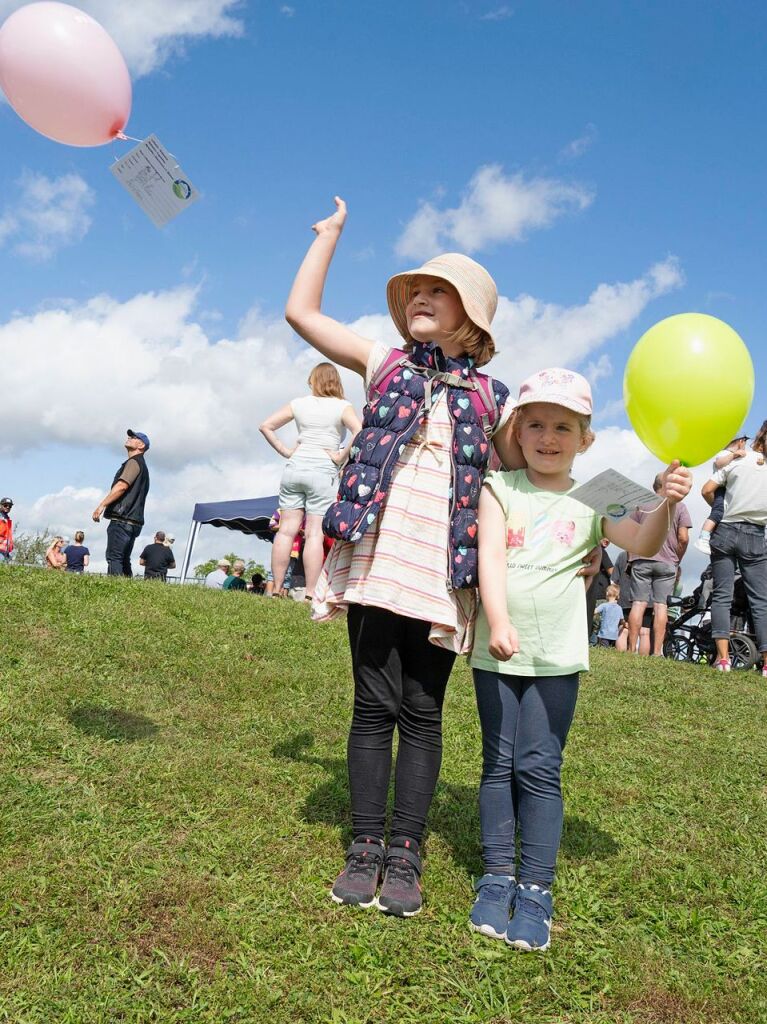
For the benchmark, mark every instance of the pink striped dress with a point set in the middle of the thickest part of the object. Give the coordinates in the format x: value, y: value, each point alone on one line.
x: 401, y: 562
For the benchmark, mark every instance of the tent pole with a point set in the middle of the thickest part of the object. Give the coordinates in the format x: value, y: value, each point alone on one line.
x: 194, y: 529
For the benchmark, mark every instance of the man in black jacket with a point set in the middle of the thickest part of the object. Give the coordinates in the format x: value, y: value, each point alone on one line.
x: 124, y: 505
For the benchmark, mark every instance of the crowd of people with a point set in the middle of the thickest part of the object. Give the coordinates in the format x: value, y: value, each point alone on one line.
x: 436, y: 553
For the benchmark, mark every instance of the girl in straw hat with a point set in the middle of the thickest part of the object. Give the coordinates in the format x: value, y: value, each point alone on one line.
x: 404, y: 565
x: 531, y: 645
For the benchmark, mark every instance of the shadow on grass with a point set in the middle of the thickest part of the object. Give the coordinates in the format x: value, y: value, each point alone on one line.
x: 112, y: 723
x: 454, y: 814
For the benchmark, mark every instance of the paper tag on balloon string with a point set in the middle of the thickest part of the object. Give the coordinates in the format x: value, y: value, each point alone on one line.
x: 613, y: 495
x: 154, y: 178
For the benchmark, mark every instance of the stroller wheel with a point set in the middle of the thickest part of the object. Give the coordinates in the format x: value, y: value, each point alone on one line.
x: 743, y: 652
x: 678, y: 648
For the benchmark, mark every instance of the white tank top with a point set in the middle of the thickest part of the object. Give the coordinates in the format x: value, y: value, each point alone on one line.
x: 320, y: 427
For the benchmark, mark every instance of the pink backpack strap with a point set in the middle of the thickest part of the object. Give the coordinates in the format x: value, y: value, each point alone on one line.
x: 482, y: 396
x: 485, y: 404
x: 392, y: 361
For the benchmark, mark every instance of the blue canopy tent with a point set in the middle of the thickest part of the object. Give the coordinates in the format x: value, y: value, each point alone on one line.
x: 250, y: 515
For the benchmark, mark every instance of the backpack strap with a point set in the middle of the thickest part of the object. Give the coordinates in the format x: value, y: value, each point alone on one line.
x: 392, y: 361
x: 485, y: 404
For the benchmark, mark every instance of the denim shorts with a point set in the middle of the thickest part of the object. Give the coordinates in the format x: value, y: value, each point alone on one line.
x: 311, y: 486
x: 652, y: 581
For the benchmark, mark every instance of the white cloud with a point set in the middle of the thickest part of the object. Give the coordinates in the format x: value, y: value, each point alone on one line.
x: 495, y: 208
x: 532, y: 334
x: 498, y: 14
x: 577, y: 147
x: 599, y: 369
x: 147, y: 362
x: 148, y: 32
x: 48, y: 214
x: 287, y: 10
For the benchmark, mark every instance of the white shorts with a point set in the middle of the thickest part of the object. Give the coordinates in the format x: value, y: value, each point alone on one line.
x: 311, y: 486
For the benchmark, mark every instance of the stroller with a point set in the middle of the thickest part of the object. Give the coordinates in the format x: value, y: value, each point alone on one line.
x: 688, y: 638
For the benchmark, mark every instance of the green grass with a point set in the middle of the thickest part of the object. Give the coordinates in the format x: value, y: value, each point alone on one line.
x: 174, y: 808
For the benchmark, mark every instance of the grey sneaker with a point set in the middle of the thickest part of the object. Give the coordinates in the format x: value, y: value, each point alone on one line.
x: 401, y: 890
x: 356, y: 885
x: 492, y: 907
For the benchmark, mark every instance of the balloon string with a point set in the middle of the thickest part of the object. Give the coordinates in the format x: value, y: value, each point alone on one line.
x: 652, y: 511
x: 127, y: 138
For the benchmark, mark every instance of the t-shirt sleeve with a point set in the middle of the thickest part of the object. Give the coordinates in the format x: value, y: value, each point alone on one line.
x: 720, y: 475
x: 597, y: 531
x: 130, y: 472
x: 684, y: 516
x: 143, y: 553
x: 498, y: 487
x: 377, y: 355
x: 86, y: 551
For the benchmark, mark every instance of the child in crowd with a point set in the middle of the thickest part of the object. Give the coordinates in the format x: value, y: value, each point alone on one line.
x: 610, y: 616
x: 404, y: 565
x: 530, y: 645
x: 736, y: 449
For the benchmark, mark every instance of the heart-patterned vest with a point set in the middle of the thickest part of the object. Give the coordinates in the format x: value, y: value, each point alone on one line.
x: 399, y: 400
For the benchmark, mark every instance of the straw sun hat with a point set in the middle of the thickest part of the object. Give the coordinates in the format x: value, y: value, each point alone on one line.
x: 474, y: 285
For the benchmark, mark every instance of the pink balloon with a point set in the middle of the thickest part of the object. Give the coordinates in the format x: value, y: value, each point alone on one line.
x: 63, y: 74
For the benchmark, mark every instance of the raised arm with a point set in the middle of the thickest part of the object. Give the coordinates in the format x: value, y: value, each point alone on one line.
x: 304, y: 308
x: 646, y: 538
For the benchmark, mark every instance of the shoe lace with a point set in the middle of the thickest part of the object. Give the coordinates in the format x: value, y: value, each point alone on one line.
x: 529, y: 906
x: 364, y: 864
x: 399, y: 870
x: 494, y: 892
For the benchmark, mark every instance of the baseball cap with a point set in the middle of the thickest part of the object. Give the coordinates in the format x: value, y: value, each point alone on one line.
x: 741, y: 437
x: 6, y: 501
x: 224, y: 561
x: 141, y: 437
x: 556, y: 386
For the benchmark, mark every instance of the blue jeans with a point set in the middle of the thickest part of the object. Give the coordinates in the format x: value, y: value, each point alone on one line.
x: 121, y: 537
x: 525, y: 721
x: 742, y: 545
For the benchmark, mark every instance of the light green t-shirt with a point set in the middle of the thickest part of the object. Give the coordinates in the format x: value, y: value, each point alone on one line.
x: 547, y: 535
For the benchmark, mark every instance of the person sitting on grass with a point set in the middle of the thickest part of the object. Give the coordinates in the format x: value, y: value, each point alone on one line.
x: 236, y: 581
x: 610, y: 615
x: 530, y: 646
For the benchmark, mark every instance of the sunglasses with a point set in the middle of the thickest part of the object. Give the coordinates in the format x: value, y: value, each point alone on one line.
x: 7, y: 504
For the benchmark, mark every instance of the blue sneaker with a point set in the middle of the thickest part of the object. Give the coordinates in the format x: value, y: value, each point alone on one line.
x: 530, y: 927
x: 492, y: 907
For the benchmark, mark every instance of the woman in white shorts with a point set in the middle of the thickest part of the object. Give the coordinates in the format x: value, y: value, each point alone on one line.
x: 310, y: 478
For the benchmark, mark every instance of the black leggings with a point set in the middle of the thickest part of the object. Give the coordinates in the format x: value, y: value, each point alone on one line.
x: 399, y: 679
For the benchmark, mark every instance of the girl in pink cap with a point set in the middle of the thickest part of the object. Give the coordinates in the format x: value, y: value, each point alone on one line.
x: 530, y: 645
x: 404, y: 563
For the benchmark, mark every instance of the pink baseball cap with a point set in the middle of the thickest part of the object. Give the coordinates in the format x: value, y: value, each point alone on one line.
x: 556, y: 386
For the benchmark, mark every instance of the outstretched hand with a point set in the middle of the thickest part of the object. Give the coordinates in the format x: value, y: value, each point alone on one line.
x: 676, y: 481
x: 333, y: 224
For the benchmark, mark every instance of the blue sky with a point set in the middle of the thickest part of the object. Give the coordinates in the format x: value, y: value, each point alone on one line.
x: 603, y: 160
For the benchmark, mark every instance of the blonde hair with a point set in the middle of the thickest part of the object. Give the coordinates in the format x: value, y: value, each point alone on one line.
x: 613, y: 591
x: 584, y: 422
x: 79, y: 537
x: 325, y: 382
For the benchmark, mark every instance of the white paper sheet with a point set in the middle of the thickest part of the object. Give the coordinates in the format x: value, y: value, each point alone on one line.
x: 155, y: 180
x: 614, y: 495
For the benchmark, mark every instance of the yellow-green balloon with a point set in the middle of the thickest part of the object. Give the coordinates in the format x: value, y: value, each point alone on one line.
x: 688, y: 386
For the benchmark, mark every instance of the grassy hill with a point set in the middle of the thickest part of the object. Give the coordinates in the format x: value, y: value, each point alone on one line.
x: 174, y: 808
